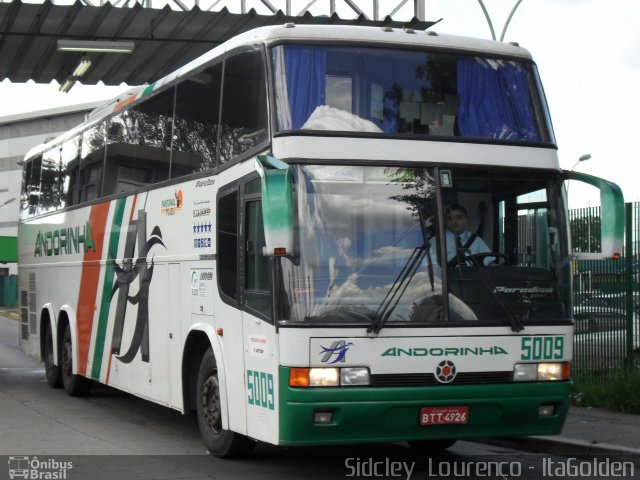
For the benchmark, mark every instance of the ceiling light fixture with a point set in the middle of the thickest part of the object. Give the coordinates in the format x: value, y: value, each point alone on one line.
x: 82, y: 68
x: 103, y: 46
x: 67, y: 85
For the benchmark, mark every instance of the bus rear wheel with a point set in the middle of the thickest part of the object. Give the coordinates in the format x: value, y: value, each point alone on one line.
x: 74, y: 385
x: 219, y: 442
x: 52, y: 371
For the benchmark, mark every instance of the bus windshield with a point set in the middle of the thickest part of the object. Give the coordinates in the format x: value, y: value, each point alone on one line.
x: 369, y: 248
x: 408, y: 93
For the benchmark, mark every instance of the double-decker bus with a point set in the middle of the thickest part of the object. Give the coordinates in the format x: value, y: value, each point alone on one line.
x: 260, y: 237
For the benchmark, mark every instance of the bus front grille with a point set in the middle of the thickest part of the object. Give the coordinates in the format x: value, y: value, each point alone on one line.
x: 428, y: 379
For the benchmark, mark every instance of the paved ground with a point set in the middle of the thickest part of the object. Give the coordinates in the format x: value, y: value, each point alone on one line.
x: 588, y: 431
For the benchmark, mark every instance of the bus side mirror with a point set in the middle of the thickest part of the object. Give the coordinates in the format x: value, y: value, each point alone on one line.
x: 277, y: 205
x: 611, y: 216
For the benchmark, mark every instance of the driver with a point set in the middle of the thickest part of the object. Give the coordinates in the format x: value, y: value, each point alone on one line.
x: 460, y: 241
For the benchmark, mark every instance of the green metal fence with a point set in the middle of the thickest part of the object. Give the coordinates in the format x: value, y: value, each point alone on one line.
x: 9, y: 291
x: 606, y: 296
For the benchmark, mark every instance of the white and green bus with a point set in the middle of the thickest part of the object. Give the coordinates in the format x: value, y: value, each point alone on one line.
x: 260, y: 237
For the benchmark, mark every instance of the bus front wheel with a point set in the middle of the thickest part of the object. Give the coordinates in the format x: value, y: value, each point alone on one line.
x: 52, y: 371
x: 74, y: 385
x: 220, y: 442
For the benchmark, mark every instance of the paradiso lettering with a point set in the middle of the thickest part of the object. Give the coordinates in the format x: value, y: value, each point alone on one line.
x: 64, y: 241
x: 441, y: 352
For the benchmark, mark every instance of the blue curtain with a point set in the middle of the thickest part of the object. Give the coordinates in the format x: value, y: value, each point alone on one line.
x: 494, y: 101
x: 306, y: 69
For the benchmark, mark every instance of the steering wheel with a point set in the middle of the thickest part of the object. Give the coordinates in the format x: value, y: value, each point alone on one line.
x: 477, y: 259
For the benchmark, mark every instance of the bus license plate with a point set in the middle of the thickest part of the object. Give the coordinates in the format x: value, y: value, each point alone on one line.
x: 457, y: 415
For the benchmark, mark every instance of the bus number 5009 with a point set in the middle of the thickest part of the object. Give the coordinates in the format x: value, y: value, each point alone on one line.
x: 260, y: 389
x: 542, y: 348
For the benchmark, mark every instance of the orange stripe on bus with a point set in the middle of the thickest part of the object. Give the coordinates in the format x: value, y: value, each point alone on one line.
x: 125, y: 102
x: 89, y: 284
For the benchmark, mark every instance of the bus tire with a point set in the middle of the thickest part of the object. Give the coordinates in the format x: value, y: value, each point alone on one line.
x: 74, y: 385
x: 440, y: 444
x: 219, y: 442
x: 52, y: 371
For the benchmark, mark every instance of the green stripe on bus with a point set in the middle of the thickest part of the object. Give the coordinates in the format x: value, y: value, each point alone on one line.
x: 105, y: 302
x: 148, y: 90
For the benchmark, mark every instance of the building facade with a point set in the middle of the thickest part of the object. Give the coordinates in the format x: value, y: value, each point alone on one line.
x: 18, y: 134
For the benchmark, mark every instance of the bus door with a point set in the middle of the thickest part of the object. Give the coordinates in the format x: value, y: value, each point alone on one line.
x: 228, y: 313
x: 260, y: 341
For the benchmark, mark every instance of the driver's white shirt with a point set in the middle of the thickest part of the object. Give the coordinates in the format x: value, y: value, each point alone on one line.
x: 477, y: 246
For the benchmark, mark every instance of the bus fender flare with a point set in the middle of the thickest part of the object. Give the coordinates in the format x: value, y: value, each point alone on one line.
x: 71, y: 316
x: 52, y: 327
x: 209, y: 331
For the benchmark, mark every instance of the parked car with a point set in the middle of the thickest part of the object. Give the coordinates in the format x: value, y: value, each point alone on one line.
x: 603, y: 312
x: 602, y: 316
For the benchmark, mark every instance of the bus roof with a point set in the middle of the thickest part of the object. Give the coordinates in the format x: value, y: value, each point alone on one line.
x: 270, y: 35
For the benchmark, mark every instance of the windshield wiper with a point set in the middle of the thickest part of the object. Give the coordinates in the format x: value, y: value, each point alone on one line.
x: 352, y: 313
x: 396, y: 291
x: 402, y: 281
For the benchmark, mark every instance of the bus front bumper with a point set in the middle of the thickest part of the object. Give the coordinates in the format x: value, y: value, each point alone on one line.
x: 391, y: 414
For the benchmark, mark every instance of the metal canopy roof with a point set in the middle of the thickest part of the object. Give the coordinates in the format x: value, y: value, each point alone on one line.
x: 164, y: 39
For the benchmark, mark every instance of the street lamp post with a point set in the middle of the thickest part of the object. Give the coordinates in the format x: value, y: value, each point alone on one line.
x: 506, y: 24
x: 583, y: 158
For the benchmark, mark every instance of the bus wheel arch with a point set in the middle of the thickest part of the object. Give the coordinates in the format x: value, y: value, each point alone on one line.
x: 194, y: 349
x: 218, y: 441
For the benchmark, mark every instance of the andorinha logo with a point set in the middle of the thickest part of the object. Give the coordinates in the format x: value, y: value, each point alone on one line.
x: 443, y: 352
x: 171, y: 206
x: 64, y: 241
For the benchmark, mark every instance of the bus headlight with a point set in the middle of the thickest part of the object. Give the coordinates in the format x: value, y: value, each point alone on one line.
x: 549, y: 372
x: 328, y: 377
x: 542, y: 372
x: 354, y: 376
x: 525, y: 372
x: 324, y: 377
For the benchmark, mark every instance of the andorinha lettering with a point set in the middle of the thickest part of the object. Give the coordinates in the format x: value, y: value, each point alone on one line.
x: 442, y: 352
x: 64, y: 241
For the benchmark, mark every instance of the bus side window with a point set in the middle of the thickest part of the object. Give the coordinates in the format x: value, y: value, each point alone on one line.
x: 243, y: 125
x: 31, y: 190
x: 51, y: 174
x: 257, y: 287
x: 197, y: 113
x: 92, y: 158
x: 227, y: 252
x: 69, y: 165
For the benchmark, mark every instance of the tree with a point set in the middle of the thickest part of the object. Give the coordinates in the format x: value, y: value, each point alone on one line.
x: 585, y: 231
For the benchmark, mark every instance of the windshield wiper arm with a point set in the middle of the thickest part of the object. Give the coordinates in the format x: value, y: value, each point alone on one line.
x: 397, y: 290
x: 427, y: 246
x: 404, y: 278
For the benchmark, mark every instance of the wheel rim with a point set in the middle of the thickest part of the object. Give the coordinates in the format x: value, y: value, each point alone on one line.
x: 66, y: 358
x: 211, y: 403
x: 49, y: 357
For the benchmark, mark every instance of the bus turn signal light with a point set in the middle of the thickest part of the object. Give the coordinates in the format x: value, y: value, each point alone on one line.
x: 298, y: 377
